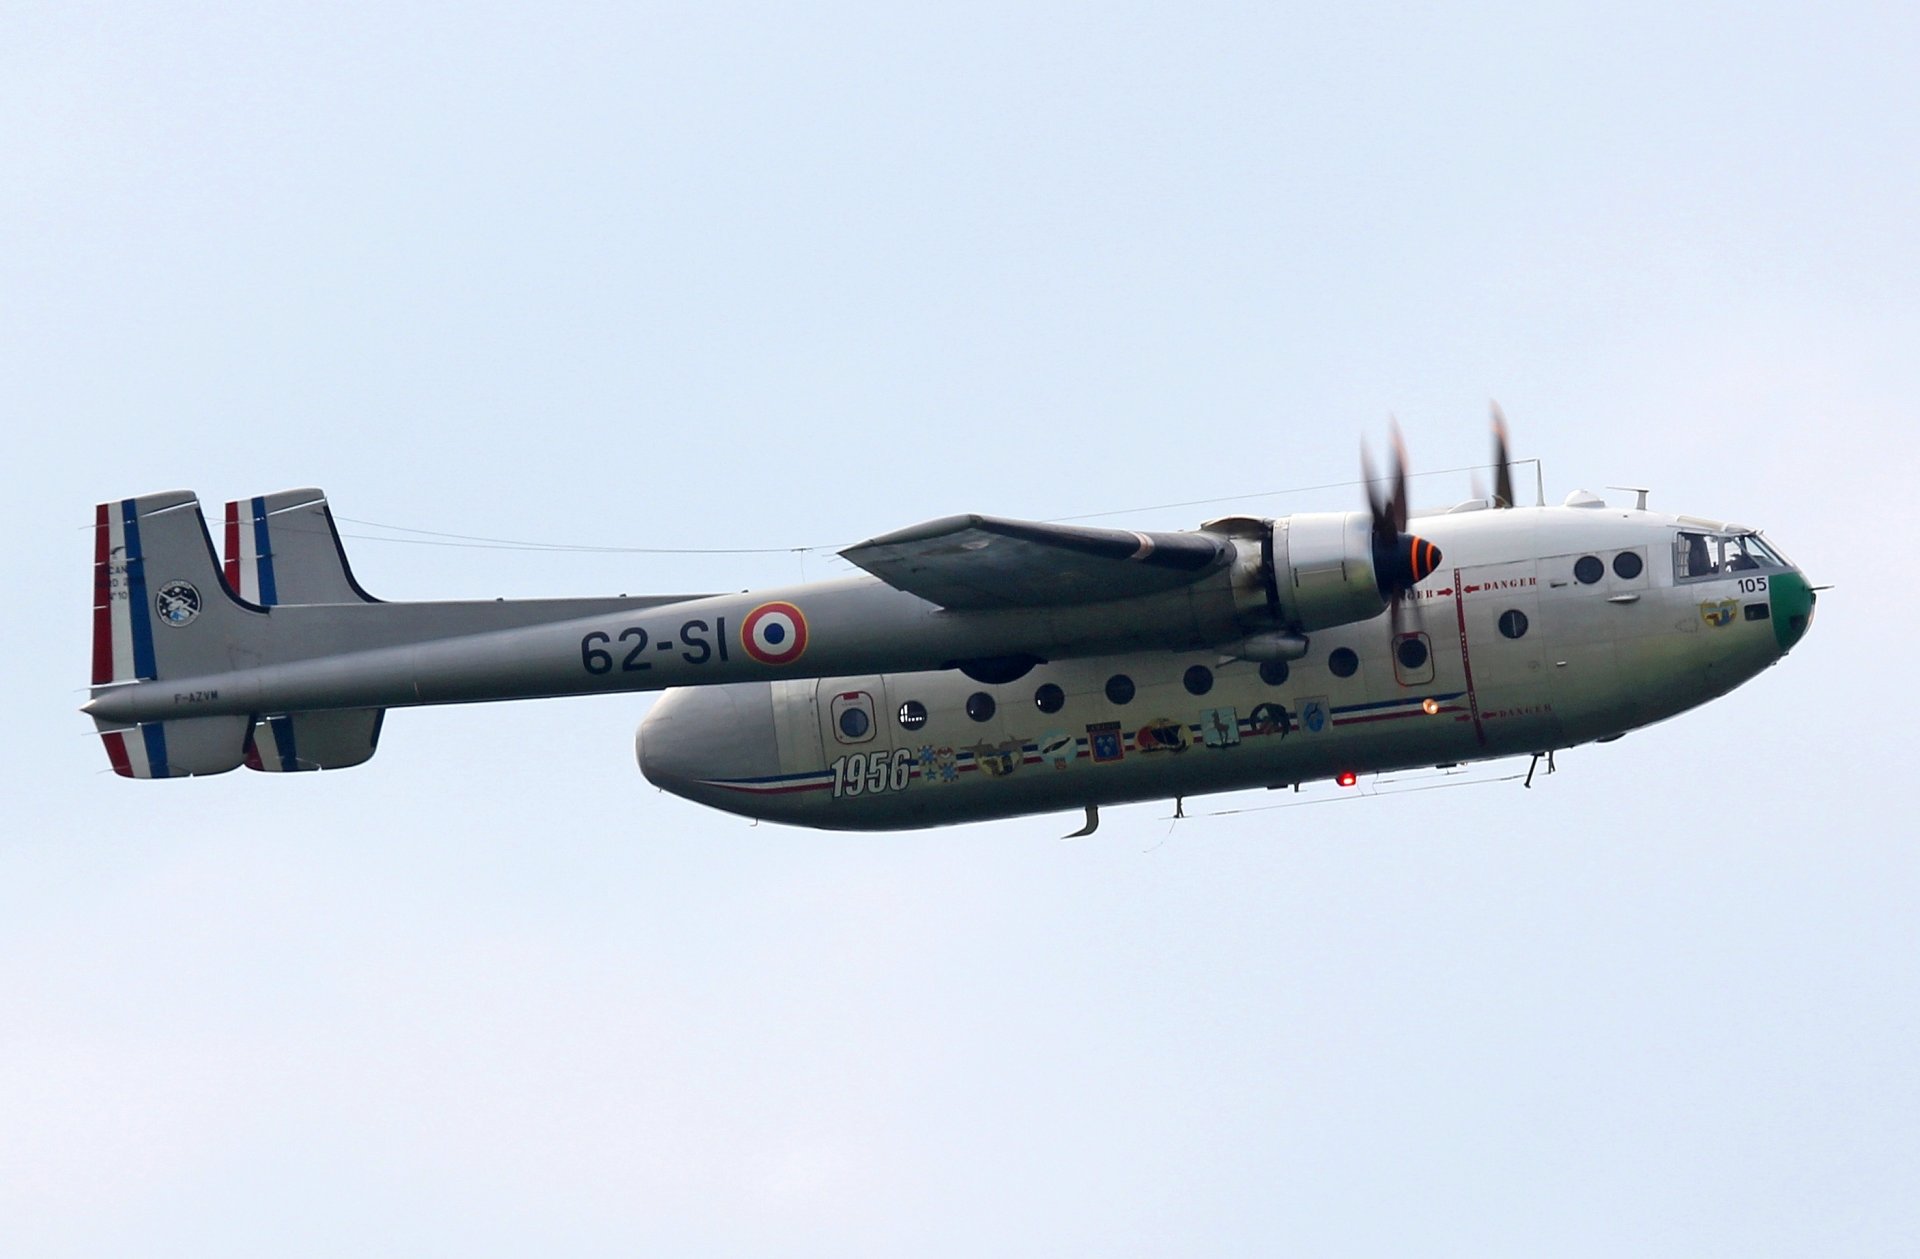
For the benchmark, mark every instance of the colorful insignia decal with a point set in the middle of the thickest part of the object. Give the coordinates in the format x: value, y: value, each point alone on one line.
x: 1719, y: 613
x: 1162, y: 735
x: 1058, y: 747
x: 1270, y: 719
x: 177, y: 603
x: 938, y: 765
x: 1315, y: 716
x: 997, y: 760
x: 1104, y: 743
x: 1219, y: 727
x: 774, y: 633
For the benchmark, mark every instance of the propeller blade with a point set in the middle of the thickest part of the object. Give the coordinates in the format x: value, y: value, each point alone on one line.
x: 1376, y: 505
x: 1400, y: 560
x: 1502, y: 473
x: 1397, y: 505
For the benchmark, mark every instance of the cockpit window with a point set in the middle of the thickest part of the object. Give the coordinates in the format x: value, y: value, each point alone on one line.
x: 1701, y: 555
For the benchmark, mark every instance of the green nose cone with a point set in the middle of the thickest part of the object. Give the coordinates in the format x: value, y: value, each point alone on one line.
x: 1792, y: 608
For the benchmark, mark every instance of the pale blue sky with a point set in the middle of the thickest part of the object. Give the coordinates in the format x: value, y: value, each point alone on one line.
x: 756, y: 277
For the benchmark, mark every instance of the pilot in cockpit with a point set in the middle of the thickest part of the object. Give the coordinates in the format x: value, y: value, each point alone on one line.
x: 1699, y: 561
x: 1700, y: 555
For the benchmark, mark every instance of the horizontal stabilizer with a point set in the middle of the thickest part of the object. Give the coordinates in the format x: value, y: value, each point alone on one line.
x: 318, y: 740
x: 982, y: 562
x: 183, y: 748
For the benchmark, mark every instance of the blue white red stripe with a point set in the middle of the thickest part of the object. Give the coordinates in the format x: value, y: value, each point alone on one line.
x: 138, y: 752
x: 122, y: 615
x: 249, y: 552
x: 966, y: 762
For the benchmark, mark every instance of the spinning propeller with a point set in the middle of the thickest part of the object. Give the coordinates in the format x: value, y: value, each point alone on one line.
x: 1399, y: 559
x: 1502, y: 471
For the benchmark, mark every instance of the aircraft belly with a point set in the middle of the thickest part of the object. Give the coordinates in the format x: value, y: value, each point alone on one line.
x: 1166, y: 743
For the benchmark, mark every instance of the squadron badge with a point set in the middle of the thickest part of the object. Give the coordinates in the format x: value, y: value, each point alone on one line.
x: 1719, y: 613
x: 177, y: 602
x: 1219, y: 727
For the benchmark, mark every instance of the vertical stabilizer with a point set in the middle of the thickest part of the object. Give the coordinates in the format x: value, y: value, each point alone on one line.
x: 284, y: 548
x: 297, y: 742
x: 161, y: 608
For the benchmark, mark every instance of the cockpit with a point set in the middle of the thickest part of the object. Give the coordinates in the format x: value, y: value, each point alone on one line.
x: 1698, y: 554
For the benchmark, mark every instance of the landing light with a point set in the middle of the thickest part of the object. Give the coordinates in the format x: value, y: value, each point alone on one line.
x: 1429, y: 706
x: 1346, y: 778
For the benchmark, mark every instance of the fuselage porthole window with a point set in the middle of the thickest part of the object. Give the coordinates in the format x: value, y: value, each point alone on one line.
x: 1344, y: 662
x: 1198, y: 680
x: 980, y: 706
x: 854, y: 724
x: 913, y: 715
x: 1273, y: 672
x: 1628, y: 565
x: 1412, y: 653
x: 1120, y: 689
x: 1513, y: 623
x: 1588, y: 569
x: 1049, y: 698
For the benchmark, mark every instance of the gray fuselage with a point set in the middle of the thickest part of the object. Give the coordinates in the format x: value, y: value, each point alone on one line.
x: 1544, y: 628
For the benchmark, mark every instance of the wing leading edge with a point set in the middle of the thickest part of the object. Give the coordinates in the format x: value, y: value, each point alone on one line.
x: 969, y: 563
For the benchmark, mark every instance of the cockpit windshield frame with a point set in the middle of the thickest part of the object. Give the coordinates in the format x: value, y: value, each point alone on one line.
x: 1700, y: 554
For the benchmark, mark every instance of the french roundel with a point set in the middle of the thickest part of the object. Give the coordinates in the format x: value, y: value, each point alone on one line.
x: 774, y: 633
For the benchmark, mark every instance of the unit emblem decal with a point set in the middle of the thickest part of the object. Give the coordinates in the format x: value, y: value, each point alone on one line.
x: 774, y: 633
x: 1104, y: 742
x: 1270, y: 719
x: 1219, y: 727
x: 177, y: 602
x: 1058, y: 748
x: 997, y: 760
x: 939, y: 765
x: 1162, y: 735
x: 1719, y: 613
x: 1315, y: 715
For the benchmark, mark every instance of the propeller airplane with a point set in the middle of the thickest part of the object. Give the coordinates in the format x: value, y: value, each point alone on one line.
x: 977, y: 667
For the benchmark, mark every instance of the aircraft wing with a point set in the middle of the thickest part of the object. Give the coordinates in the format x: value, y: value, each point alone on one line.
x: 984, y: 562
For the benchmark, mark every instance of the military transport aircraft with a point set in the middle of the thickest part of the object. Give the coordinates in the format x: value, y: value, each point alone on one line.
x: 979, y: 667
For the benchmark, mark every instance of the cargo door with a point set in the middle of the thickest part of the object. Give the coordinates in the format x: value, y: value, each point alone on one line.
x: 1498, y: 618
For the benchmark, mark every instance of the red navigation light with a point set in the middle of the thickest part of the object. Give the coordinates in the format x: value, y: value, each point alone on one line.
x: 1346, y: 778
x: 1429, y: 705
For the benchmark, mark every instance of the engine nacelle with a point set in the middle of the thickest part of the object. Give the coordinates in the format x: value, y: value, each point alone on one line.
x: 1320, y: 569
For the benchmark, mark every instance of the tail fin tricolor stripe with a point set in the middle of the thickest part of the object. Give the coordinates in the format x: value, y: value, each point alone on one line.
x: 296, y: 742
x: 249, y: 552
x: 122, y: 617
x: 140, y: 752
x: 140, y: 616
x: 277, y: 753
x: 102, y: 598
x: 161, y: 609
x: 283, y: 548
x: 230, y: 548
x: 116, y: 741
x: 283, y: 744
x: 263, y: 556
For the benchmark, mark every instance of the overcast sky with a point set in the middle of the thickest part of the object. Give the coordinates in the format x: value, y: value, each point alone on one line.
x: 766, y: 277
